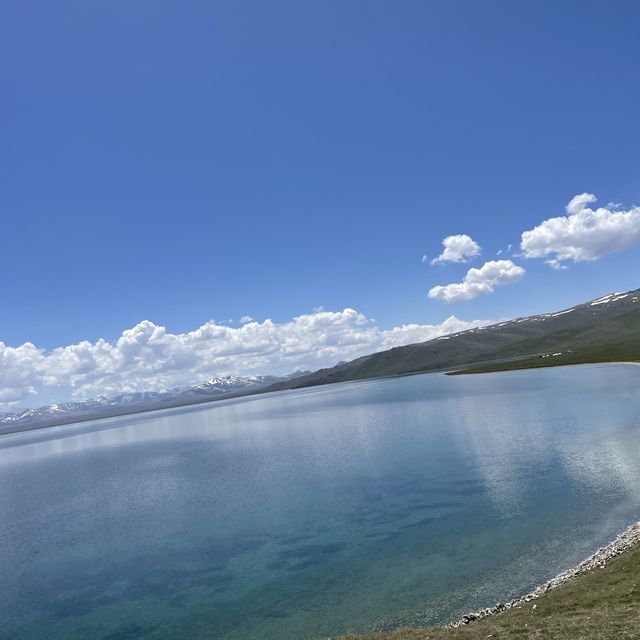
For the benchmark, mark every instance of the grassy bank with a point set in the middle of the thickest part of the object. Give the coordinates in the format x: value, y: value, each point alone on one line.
x: 603, y: 604
x: 626, y: 355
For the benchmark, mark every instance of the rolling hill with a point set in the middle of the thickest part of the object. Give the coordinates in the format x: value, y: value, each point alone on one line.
x: 605, y: 329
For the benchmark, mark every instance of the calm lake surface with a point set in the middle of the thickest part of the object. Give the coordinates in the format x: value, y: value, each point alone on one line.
x: 305, y: 514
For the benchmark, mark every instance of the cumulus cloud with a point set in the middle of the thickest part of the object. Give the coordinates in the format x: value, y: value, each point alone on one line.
x: 457, y: 249
x: 479, y: 281
x: 579, y: 202
x: 583, y: 234
x: 148, y: 357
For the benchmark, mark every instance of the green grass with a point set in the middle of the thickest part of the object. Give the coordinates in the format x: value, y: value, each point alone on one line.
x: 614, y: 353
x: 603, y: 604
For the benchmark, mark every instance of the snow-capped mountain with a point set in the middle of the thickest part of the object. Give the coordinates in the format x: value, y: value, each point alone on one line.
x: 232, y: 383
x: 103, y: 406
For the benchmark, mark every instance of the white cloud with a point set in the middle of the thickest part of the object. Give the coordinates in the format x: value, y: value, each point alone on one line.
x: 246, y: 319
x: 148, y: 357
x: 457, y: 249
x: 584, y: 234
x: 556, y: 264
x: 479, y: 281
x: 577, y: 203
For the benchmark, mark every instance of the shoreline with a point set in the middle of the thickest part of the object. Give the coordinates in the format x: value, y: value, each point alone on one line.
x: 621, y: 362
x: 478, y: 370
x: 597, y: 598
x: 623, y: 542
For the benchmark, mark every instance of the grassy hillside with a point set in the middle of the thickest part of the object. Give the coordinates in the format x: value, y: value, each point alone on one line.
x: 599, y: 331
x: 601, y: 605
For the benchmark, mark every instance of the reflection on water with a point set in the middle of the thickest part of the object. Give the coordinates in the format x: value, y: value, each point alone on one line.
x: 310, y: 513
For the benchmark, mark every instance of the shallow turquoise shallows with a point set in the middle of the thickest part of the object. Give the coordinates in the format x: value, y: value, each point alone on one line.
x: 306, y: 514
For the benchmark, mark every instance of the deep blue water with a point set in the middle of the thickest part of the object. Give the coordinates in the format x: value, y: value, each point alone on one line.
x: 304, y: 514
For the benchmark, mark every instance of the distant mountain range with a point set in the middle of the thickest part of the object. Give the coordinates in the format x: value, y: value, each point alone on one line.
x: 603, y: 330
x: 102, y: 406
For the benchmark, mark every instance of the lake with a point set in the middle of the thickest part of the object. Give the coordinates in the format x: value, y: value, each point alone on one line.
x: 304, y: 514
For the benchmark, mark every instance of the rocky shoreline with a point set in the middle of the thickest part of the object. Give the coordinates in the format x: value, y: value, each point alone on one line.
x: 627, y: 539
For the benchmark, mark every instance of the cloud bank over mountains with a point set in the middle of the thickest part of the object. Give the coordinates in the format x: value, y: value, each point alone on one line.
x: 149, y: 358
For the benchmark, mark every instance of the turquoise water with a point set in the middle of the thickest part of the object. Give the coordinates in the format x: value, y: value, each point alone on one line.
x: 305, y: 514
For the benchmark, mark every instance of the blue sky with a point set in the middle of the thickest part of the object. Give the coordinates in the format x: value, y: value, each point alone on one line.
x: 185, y: 161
